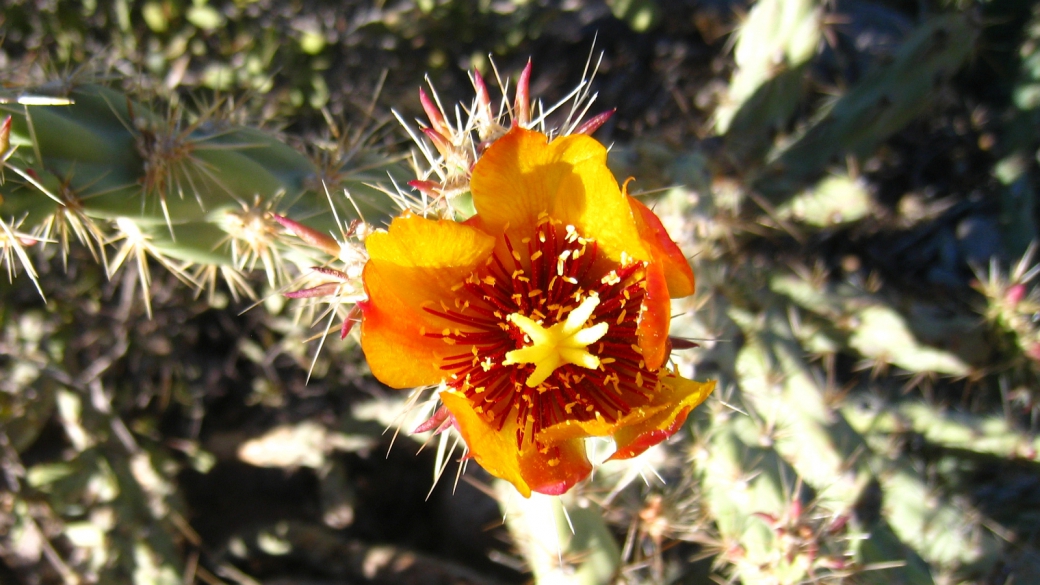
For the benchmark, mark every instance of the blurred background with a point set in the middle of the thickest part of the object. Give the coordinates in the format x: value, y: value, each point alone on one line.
x: 853, y: 182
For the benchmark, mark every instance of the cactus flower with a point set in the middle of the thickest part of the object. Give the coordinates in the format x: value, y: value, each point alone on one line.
x: 544, y: 317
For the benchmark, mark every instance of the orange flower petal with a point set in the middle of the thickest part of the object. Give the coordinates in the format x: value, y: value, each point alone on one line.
x: 590, y: 200
x: 518, y: 176
x: 391, y: 329
x: 681, y: 396
x: 495, y: 451
x: 556, y: 471
x: 575, y: 429
x: 425, y: 258
x: 553, y: 472
x: 644, y: 427
x: 414, y: 264
x: 656, y: 318
x: 664, y: 251
x: 522, y: 175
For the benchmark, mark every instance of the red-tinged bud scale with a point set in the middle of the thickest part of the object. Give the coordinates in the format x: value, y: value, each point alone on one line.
x: 439, y: 141
x: 594, y: 123
x: 323, y: 242
x: 438, y: 423
x: 354, y: 316
x: 1015, y: 293
x: 522, y: 105
x: 433, y: 113
x: 5, y: 136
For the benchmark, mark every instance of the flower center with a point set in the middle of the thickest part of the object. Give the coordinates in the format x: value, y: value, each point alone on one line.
x: 547, y: 332
x: 562, y: 343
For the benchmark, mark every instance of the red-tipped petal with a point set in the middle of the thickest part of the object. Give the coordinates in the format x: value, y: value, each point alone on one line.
x: 677, y: 271
x: 594, y: 123
x: 433, y: 113
x: 679, y: 396
x: 644, y: 441
x: 557, y: 470
x: 655, y: 318
x: 551, y: 471
x: 323, y: 242
x: 523, y: 97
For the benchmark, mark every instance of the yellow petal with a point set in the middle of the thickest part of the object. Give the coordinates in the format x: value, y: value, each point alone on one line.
x: 681, y: 396
x: 425, y: 258
x: 589, y: 199
x: 518, y: 176
x: 415, y: 264
x: 522, y: 175
x: 397, y: 352
x: 495, y: 451
x: 553, y: 472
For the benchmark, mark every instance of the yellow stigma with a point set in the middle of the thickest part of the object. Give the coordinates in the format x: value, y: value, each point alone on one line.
x: 563, y: 343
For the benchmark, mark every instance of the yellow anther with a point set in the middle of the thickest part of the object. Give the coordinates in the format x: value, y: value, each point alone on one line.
x: 562, y: 343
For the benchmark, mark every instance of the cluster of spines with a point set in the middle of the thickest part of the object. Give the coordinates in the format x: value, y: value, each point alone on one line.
x: 203, y: 197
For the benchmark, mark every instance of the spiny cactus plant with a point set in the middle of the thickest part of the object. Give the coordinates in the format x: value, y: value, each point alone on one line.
x: 789, y: 490
x: 1016, y: 141
x: 881, y: 103
x: 792, y: 428
x: 774, y: 46
x: 796, y: 472
x: 200, y: 195
x: 792, y: 491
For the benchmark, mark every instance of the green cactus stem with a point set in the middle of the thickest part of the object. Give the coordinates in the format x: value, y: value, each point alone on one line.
x: 879, y: 105
x: 191, y: 190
